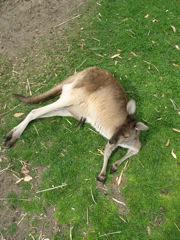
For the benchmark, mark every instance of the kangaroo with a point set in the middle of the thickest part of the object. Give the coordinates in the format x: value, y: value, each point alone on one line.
x: 96, y: 97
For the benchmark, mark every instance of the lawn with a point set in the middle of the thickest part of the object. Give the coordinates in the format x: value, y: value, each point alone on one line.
x: 138, y: 42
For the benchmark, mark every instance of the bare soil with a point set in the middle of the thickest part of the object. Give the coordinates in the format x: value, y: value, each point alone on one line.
x: 23, y: 22
x: 18, y: 224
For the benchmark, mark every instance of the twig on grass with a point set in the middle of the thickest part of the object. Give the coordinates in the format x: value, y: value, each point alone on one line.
x: 151, y: 65
x: 43, y: 145
x: 121, y: 174
x: 18, y: 199
x: 70, y: 234
x: 117, y: 201
x: 129, y: 30
x: 175, y: 105
x: 16, y: 176
x: 122, y: 219
x: 30, y: 235
x: 36, y: 129
x: 28, y: 87
x: 112, y: 233
x: 96, y: 39
x: 67, y: 21
x: 131, y: 34
x: 49, y: 189
x: 87, y: 222
x: 82, y: 63
x: 93, y: 131
x: 3, y: 170
x: 141, y: 163
x: 93, y: 197
x: 176, y: 130
x: 21, y: 219
x: 41, y: 236
x: 2, y: 238
x: 38, y: 89
x: 99, y: 55
x: 97, y: 154
x: 11, y: 110
x: 67, y: 128
x: 177, y: 227
x: 69, y: 122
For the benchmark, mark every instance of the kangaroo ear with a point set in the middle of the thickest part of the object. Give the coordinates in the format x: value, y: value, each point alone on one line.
x: 131, y: 107
x: 141, y: 126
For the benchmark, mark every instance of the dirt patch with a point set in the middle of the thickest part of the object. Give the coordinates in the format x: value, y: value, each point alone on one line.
x: 16, y: 223
x: 24, y: 22
x: 112, y: 192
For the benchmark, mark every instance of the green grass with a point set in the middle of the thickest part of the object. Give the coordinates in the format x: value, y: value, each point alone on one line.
x: 149, y: 72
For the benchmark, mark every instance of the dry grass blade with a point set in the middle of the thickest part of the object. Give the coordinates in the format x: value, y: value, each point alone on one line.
x: 149, y: 230
x: 151, y: 65
x: 119, y: 180
x: 67, y: 20
x: 93, y: 131
x: 93, y: 197
x: 168, y: 142
x: 30, y: 235
x: 146, y: 16
x: 122, y: 219
x: 176, y: 130
x: 100, y: 151
x: 116, y: 56
x: 177, y: 227
x: 87, y: 222
x: 49, y: 189
x: 69, y: 122
x: 70, y: 234
x: 2, y: 114
x: 22, y: 218
x: 173, y: 28
x: 1, y: 171
x: 173, y: 154
x: 111, y: 233
x: 28, y: 88
x: 19, y: 199
x: 117, y: 201
x: 36, y: 129
x: 175, y: 105
x: 81, y: 63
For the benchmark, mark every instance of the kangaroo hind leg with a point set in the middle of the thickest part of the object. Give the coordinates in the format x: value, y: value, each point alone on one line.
x: 55, y: 109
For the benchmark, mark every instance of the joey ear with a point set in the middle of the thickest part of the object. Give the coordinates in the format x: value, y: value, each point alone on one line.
x: 141, y: 126
x: 131, y: 107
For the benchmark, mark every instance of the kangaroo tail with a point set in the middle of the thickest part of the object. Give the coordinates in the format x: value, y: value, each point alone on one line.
x: 56, y: 90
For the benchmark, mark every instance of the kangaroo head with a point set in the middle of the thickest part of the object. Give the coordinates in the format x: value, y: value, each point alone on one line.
x: 131, y: 127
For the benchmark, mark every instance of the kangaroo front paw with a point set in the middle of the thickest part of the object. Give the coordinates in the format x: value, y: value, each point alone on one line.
x: 101, y: 178
x: 114, y: 168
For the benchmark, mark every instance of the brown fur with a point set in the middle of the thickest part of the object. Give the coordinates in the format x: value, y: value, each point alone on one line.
x: 124, y: 129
